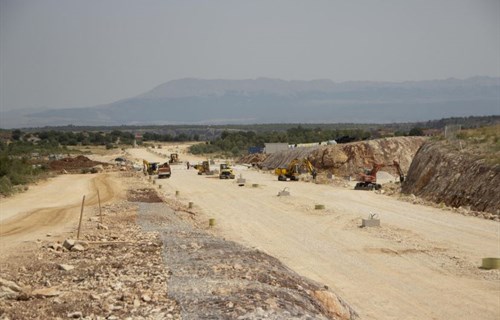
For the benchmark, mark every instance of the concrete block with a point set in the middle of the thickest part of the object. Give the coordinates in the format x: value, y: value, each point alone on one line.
x: 370, y: 223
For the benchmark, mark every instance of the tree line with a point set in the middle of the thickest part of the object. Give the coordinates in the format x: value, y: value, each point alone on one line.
x: 235, y: 143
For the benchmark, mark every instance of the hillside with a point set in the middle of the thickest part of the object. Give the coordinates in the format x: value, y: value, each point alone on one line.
x: 262, y: 100
x: 461, y: 172
x: 351, y: 158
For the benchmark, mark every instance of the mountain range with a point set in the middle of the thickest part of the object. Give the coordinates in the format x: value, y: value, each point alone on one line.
x: 264, y: 100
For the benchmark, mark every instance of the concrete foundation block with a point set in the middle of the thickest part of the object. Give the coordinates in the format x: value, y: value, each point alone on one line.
x: 365, y: 223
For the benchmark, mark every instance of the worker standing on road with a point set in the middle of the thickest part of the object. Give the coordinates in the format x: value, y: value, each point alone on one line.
x: 187, y: 164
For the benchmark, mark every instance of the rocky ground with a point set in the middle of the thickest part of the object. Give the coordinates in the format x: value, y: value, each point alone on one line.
x: 144, y: 260
x: 115, y: 272
x: 450, y: 173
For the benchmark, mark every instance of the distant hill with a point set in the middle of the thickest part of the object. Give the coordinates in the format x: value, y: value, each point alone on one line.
x: 263, y: 100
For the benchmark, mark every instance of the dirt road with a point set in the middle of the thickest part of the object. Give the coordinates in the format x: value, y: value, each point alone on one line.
x: 51, y: 207
x: 421, y: 264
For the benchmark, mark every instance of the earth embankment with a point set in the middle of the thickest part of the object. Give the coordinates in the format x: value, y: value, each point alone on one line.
x: 443, y: 174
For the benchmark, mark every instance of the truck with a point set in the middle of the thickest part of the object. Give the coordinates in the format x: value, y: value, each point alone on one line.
x: 164, y: 171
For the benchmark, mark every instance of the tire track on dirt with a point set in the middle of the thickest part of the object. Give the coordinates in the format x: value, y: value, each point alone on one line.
x: 51, y: 217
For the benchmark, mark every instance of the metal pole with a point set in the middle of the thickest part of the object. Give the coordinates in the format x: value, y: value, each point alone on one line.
x: 100, y: 210
x: 80, y: 223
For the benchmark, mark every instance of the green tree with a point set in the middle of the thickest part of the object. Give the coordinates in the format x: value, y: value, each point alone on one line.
x: 416, y: 131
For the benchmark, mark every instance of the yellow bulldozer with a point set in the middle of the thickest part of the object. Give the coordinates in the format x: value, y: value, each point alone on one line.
x: 226, y: 172
x: 204, y: 168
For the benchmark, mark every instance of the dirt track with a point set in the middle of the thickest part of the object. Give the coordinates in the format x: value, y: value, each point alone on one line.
x: 51, y: 207
x: 421, y: 264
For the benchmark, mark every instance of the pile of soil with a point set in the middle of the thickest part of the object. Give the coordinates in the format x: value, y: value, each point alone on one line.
x: 147, y: 195
x: 253, y: 159
x: 74, y: 164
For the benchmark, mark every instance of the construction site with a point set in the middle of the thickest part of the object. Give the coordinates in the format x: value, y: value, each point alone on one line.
x: 392, y: 228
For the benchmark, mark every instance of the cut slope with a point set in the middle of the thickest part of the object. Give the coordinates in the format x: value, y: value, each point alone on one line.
x: 350, y: 159
x: 441, y: 173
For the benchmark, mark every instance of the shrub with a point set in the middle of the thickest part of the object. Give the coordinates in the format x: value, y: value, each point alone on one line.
x: 5, y: 185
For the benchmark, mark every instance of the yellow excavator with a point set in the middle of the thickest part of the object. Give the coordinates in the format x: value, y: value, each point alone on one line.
x: 294, y: 169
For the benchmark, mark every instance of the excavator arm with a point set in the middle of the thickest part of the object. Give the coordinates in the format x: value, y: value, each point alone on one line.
x: 395, y: 163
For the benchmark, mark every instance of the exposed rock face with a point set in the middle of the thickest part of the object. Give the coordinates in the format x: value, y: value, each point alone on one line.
x: 351, y: 158
x: 440, y: 174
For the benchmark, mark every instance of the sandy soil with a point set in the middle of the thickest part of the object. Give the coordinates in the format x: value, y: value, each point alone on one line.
x: 422, y: 263
x: 51, y: 207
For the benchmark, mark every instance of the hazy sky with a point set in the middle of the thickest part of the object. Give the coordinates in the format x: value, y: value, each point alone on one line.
x: 60, y: 53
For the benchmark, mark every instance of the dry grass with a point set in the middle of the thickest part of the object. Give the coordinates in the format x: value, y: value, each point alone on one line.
x: 484, y: 142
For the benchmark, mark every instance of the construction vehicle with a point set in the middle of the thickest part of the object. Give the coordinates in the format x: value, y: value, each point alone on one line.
x: 150, y: 168
x: 174, y: 158
x: 226, y: 172
x: 368, y: 179
x: 164, y: 171
x: 204, y: 168
x: 294, y: 169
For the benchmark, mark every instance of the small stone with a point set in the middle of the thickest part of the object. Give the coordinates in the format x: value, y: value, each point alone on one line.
x: 77, y: 247
x: 49, y: 235
x: 55, y: 246
x: 46, y: 292
x: 146, y: 298
x: 75, y: 315
x: 68, y: 244
x: 66, y: 267
x: 137, y: 303
x: 230, y: 305
x: 238, y: 266
x: 100, y: 226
